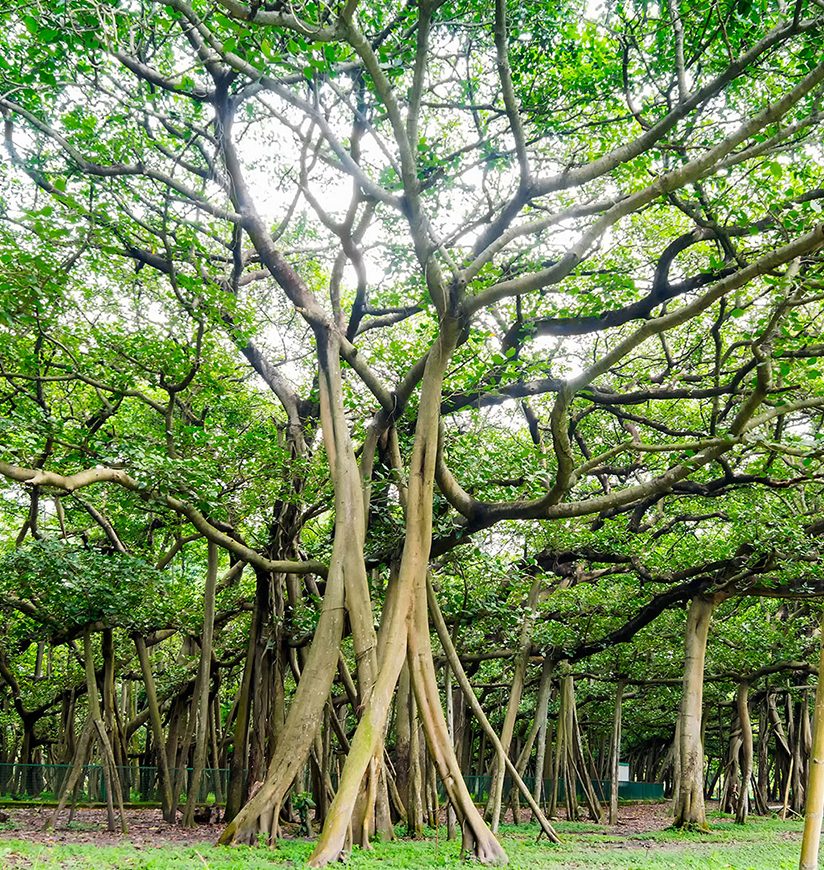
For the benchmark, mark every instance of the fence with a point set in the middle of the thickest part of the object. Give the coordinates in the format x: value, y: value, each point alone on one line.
x: 139, y: 784
x: 142, y: 784
x: 479, y: 787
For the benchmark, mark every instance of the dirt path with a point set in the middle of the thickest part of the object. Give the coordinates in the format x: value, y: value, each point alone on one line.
x: 146, y: 828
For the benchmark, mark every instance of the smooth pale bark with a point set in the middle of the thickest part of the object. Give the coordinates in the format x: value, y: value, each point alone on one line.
x: 403, y: 737
x: 541, y: 716
x: 414, y: 562
x: 81, y: 754
x: 306, y: 711
x: 731, y: 771
x: 529, y: 742
x: 745, y: 723
x: 361, y: 619
x: 676, y: 765
x: 477, y: 841
x: 797, y: 742
x: 762, y: 779
x: 577, y: 756
x: 214, y: 746
x: 450, y: 725
x: 474, y: 705
x: 267, y: 673
x: 112, y: 778
x: 111, y: 716
x: 414, y: 812
x: 814, y: 815
x: 203, y: 719
x: 615, y: 752
x: 493, y: 807
x: 690, y: 811
x: 157, y: 726
x: 783, y: 753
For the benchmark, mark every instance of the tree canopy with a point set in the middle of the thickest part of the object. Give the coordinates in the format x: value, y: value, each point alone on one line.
x: 325, y: 326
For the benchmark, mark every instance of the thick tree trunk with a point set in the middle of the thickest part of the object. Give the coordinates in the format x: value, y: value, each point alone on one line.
x: 306, y: 711
x: 362, y: 622
x: 745, y: 723
x: 395, y: 625
x: 814, y: 815
x: 690, y: 810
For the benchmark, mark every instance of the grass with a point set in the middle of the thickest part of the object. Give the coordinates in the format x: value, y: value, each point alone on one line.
x: 765, y: 844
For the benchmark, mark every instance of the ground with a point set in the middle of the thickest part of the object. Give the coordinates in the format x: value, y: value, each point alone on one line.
x: 640, y: 840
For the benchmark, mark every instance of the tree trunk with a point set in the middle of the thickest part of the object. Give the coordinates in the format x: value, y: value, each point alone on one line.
x: 493, y: 807
x: 395, y: 628
x: 474, y: 705
x: 70, y: 783
x: 815, y: 786
x: 414, y: 808
x: 541, y: 716
x: 157, y: 728
x: 450, y: 724
x: 306, y: 711
x: 477, y: 841
x: 690, y: 810
x: 797, y: 743
x: 745, y: 723
x: 731, y: 770
x: 236, y: 792
x: 615, y: 752
x: 762, y: 777
x: 403, y: 737
x: 203, y: 681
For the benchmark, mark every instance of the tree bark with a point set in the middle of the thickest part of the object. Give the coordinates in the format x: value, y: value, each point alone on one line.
x: 746, y: 764
x: 157, y: 728
x: 203, y: 681
x: 690, y: 811
x: 474, y: 705
x: 236, y: 792
x: 815, y: 787
x: 477, y: 841
x: 450, y: 725
x: 615, y: 752
x: 396, y: 628
x: 493, y: 807
x: 306, y: 711
x: 541, y: 716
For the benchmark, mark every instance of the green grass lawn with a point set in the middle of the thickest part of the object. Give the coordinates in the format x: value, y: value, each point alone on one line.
x: 762, y: 845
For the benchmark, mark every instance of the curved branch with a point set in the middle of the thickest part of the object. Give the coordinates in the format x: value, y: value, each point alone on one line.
x: 90, y: 476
